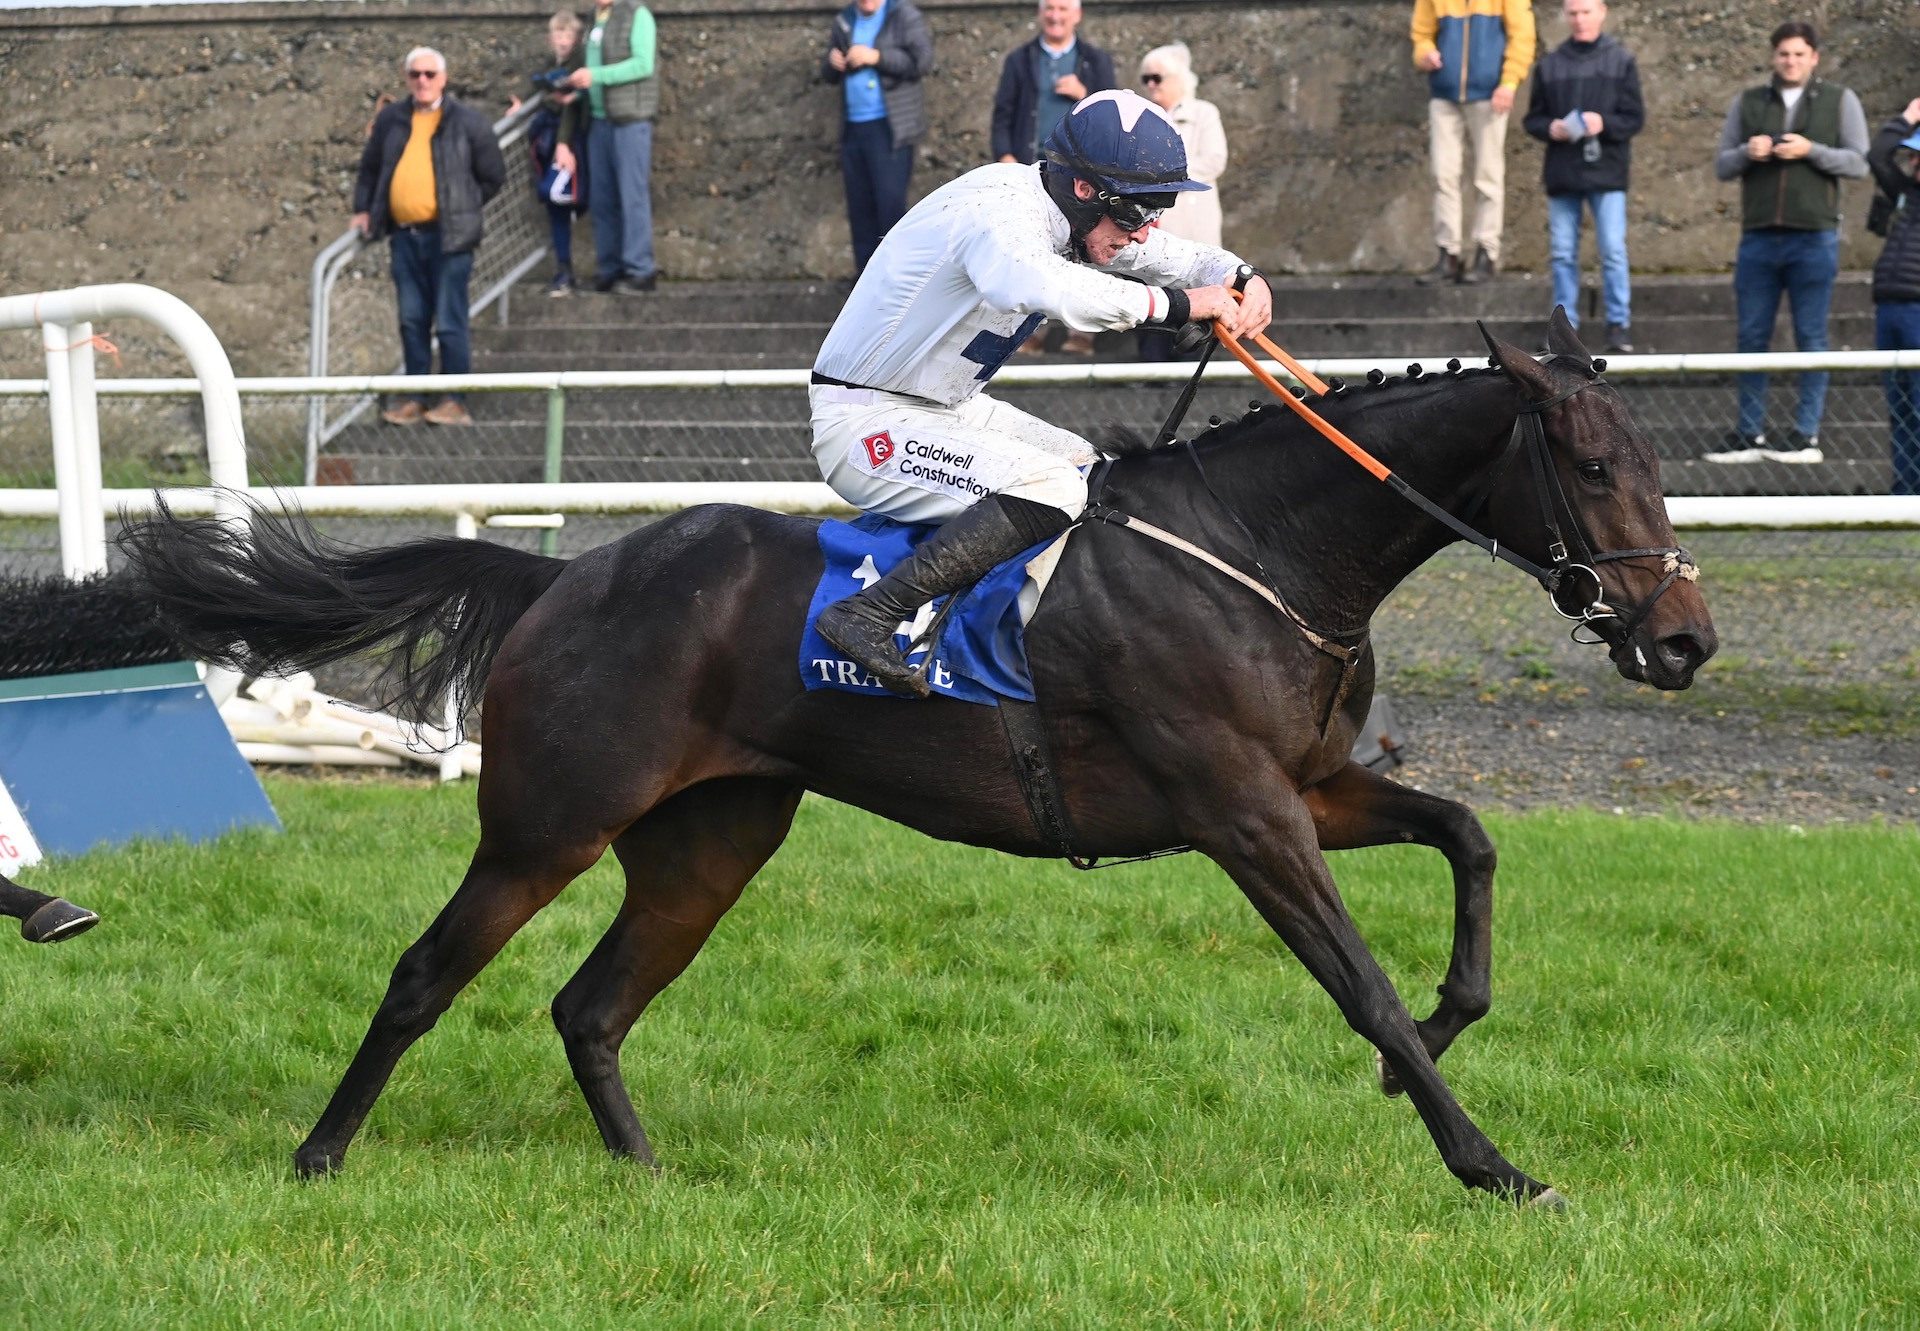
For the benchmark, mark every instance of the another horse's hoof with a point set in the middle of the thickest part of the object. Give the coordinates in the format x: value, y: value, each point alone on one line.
x: 1550, y: 1200
x: 56, y: 922
x: 1389, y: 1084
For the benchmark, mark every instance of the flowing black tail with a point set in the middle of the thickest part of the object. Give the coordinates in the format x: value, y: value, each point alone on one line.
x: 280, y: 597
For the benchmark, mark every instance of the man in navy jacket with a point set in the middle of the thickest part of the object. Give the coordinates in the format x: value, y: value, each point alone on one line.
x: 1586, y: 108
x: 1039, y: 83
x: 1042, y: 79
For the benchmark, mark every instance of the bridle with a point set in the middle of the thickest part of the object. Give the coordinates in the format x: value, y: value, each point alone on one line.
x: 1563, y: 573
x: 1567, y: 568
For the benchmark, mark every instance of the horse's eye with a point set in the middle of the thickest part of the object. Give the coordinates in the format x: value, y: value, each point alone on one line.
x: 1595, y: 472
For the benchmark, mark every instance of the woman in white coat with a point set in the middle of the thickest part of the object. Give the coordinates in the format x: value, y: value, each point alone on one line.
x: 1166, y: 77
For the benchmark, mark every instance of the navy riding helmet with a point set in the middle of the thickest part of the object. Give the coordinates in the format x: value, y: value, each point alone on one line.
x: 1125, y: 147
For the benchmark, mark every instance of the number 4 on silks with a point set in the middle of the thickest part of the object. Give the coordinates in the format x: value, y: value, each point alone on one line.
x: 990, y: 351
x: 867, y: 575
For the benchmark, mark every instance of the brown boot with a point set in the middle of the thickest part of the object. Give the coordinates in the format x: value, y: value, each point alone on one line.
x: 1077, y: 344
x: 1479, y: 270
x: 449, y: 412
x: 404, y: 412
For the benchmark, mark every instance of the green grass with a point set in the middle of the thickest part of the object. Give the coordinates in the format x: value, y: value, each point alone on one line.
x: 913, y: 1084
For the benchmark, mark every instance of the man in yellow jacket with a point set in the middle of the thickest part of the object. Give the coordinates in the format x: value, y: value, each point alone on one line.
x: 1475, y: 54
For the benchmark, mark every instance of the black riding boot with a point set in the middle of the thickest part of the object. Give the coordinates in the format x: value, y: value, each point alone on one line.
x: 955, y: 557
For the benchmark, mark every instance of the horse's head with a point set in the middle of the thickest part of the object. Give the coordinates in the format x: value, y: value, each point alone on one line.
x: 1589, y: 508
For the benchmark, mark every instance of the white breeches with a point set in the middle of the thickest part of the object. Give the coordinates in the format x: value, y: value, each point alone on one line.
x: 919, y: 462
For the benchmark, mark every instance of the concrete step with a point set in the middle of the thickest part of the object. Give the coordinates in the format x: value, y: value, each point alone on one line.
x: 1509, y: 296
x: 718, y: 303
x: 794, y: 345
x: 793, y: 342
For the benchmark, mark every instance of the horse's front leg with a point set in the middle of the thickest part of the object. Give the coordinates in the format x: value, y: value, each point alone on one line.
x: 43, y: 919
x: 1263, y: 834
x: 1357, y: 807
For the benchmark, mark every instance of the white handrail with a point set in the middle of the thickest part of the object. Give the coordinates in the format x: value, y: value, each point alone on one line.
x: 65, y: 319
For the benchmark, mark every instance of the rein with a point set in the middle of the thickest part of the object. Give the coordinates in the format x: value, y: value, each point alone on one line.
x: 1528, y: 432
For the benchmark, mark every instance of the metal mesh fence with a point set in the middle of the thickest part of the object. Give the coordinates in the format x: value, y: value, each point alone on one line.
x: 701, y: 434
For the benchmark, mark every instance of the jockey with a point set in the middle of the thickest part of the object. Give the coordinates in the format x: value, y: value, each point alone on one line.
x: 900, y: 424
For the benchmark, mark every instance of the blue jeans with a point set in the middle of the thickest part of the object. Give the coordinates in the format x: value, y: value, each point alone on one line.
x: 432, y: 288
x: 1609, y: 237
x: 876, y: 175
x: 620, y: 199
x: 1896, y: 326
x: 1803, y: 264
x: 560, y: 234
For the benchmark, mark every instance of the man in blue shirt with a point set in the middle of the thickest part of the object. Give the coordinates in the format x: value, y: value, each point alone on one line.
x: 878, y: 53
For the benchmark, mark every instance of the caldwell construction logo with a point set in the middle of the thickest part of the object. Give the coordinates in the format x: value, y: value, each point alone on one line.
x: 879, y: 447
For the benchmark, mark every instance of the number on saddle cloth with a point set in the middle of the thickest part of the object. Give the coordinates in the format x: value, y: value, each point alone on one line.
x: 990, y: 351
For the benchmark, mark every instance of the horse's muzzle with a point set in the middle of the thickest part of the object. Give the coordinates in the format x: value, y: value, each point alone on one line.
x: 1669, y: 661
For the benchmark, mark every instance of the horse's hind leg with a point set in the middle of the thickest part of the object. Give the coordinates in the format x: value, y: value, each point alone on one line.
x: 508, y: 882
x: 43, y: 919
x: 1357, y: 807
x: 687, y: 862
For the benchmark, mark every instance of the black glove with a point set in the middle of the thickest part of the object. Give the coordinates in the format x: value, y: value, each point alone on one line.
x: 1192, y: 336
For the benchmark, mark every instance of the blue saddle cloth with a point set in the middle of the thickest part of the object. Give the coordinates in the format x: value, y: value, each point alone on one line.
x: 981, y: 653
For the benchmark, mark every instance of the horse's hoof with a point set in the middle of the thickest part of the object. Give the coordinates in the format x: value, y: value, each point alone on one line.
x: 316, y: 1164
x: 1389, y: 1084
x: 56, y: 922
x: 1550, y: 1200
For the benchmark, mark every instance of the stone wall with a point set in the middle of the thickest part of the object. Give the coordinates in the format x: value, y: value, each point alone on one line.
x: 210, y: 149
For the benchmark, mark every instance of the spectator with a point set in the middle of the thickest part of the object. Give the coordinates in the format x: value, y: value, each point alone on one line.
x: 624, y: 95
x: 1475, y: 53
x: 1789, y: 141
x: 1166, y: 73
x: 1040, y: 82
x: 1894, y: 158
x: 557, y: 134
x: 429, y: 167
x: 878, y: 52
x: 1586, y: 107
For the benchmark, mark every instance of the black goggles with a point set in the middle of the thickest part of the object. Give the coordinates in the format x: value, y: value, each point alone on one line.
x: 1130, y: 212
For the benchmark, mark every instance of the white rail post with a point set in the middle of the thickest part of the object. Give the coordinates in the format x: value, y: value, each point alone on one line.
x: 467, y: 528
x: 66, y: 459
x: 86, y: 443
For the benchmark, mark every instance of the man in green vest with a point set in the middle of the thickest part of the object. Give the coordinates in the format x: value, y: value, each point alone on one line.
x: 623, y: 95
x: 1789, y: 143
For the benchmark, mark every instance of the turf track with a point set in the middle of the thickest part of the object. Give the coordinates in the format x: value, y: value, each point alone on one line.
x: 912, y: 1084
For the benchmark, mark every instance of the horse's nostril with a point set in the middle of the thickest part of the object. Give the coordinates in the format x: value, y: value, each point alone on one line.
x: 1681, y: 650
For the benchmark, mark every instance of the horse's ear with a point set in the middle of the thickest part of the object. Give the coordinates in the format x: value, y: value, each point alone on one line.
x: 1563, y: 340
x: 1520, y: 366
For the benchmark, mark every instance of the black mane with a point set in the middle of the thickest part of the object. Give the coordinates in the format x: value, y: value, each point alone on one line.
x: 1125, y: 441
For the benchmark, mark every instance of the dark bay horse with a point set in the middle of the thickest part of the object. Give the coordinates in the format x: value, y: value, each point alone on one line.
x: 644, y: 696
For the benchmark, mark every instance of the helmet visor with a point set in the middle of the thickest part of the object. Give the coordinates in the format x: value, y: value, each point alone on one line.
x: 1130, y: 212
